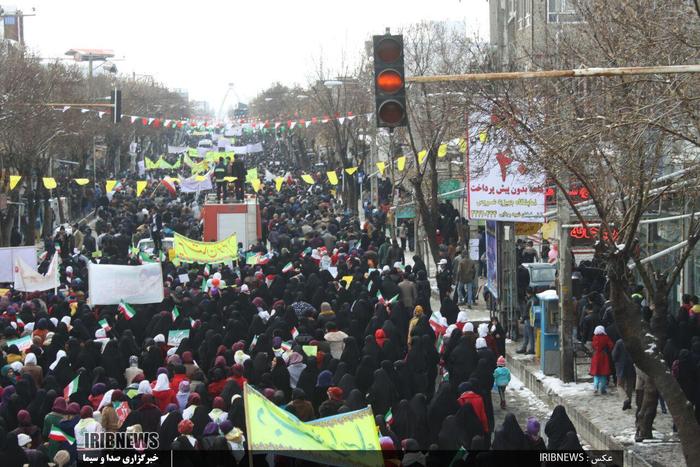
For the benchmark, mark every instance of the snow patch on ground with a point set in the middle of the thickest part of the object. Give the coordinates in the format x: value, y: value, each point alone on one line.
x: 556, y: 386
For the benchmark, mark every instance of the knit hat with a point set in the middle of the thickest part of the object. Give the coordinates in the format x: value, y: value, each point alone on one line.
x: 501, y: 361
x: 335, y: 393
x: 481, y: 343
x: 533, y: 426
x: 61, y: 458
x: 185, y: 427
x: 86, y: 412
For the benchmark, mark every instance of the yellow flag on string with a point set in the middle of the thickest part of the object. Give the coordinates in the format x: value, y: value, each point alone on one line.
x: 483, y: 136
x: 14, y: 180
x: 381, y: 166
x: 351, y: 170
x: 442, y: 150
x: 109, y: 185
x: 140, y: 186
x: 333, y: 193
x: 81, y: 181
x: 228, y: 179
x: 422, y: 155
x: 401, y: 163
x: 278, y: 183
x: 348, y: 281
x: 256, y: 184
x: 462, y: 145
x: 308, y: 179
x: 49, y: 183
x: 332, y: 177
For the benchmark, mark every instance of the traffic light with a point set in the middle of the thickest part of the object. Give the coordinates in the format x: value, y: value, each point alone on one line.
x: 115, y: 99
x: 389, y: 90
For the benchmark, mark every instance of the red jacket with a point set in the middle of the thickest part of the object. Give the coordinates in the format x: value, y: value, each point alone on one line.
x: 163, y: 398
x: 177, y: 379
x: 600, y: 362
x: 477, y: 404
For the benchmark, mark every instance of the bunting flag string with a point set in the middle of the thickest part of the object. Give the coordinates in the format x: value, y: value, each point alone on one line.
x: 332, y: 177
x: 401, y: 163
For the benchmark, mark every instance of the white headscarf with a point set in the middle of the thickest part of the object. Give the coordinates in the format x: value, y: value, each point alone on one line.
x: 16, y: 366
x: 449, y: 330
x: 59, y: 355
x: 144, y: 388
x: 599, y: 330
x: 483, y: 330
x: 162, y: 383
x: 480, y: 343
x: 469, y: 327
x: 462, y: 317
x: 30, y: 359
x: 106, y: 399
x: 159, y: 339
x: 240, y: 357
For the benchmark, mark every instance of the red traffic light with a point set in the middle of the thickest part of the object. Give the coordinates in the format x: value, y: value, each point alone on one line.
x: 388, y: 50
x: 391, y: 113
x: 389, y: 81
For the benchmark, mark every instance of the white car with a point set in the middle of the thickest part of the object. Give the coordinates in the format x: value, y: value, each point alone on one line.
x: 146, y: 245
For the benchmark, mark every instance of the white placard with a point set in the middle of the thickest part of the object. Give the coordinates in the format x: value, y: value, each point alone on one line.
x: 110, y: 284
x: 7, y: 260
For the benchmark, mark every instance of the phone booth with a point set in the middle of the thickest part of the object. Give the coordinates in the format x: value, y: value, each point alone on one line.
x: 550, y: 358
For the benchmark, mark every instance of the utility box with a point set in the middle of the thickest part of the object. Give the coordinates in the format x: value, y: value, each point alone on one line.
x: 224, y: 220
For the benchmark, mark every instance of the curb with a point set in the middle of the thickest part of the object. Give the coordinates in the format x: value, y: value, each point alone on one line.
x: 584, y: 427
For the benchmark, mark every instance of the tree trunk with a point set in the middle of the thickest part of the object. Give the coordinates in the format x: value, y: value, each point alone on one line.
x: 429, y: 224
x: 647, y: 413
x: 628, y: 319
x: 29, y: 227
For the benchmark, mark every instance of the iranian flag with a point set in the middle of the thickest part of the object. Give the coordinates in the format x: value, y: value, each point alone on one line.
x: 254, y: 341
x: 438, y: 328
x: 169, y: 185
x: 192, y: 322
x: 72, y: 388
x: 389, y: 417
x: 295, y: 333
x: 286, y: 346
x: 19, y: 321
x: 380, y: 297
x: 175, y: 314
x: 57, y: 434
x: 127, y: 310
x: 369, y: 286
x: 288, y: 267
x: 206, y: 271
x: 394, y: 299
x: 440, y: 344
x: 104, y: 324
x: 264, y: 259
x: 204, y: 285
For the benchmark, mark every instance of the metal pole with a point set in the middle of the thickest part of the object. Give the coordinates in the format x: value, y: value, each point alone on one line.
x: 549, y: 74
x: 566, y: 318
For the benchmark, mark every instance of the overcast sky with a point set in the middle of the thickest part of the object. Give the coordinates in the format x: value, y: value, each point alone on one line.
x: 203, y: 45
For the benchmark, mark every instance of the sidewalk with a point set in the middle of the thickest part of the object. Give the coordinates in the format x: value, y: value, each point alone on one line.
x: 599, y: 419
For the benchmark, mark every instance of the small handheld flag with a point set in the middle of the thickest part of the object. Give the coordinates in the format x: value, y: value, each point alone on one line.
x: 127, y: 310
x: 175, y: 314
x: 295, y: 333
x: 288, y: 267
x: 59, y: 435
x: 72, y: 388
x: 104, y: 324
x: 389, y: 417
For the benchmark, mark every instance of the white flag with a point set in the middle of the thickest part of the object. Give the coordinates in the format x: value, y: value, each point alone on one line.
x: 28, y: 280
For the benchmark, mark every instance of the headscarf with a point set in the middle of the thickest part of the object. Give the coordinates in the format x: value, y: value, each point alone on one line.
x: 59, y: 355
x: 162, y: 383
x: 144, y: 388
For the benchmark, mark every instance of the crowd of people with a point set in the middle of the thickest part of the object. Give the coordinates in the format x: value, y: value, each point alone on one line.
x: 426, y: 370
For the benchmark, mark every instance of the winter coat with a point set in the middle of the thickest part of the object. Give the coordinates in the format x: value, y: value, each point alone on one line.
x: 600, y: 362
x: 501, y: 376
x: 477, y: 404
